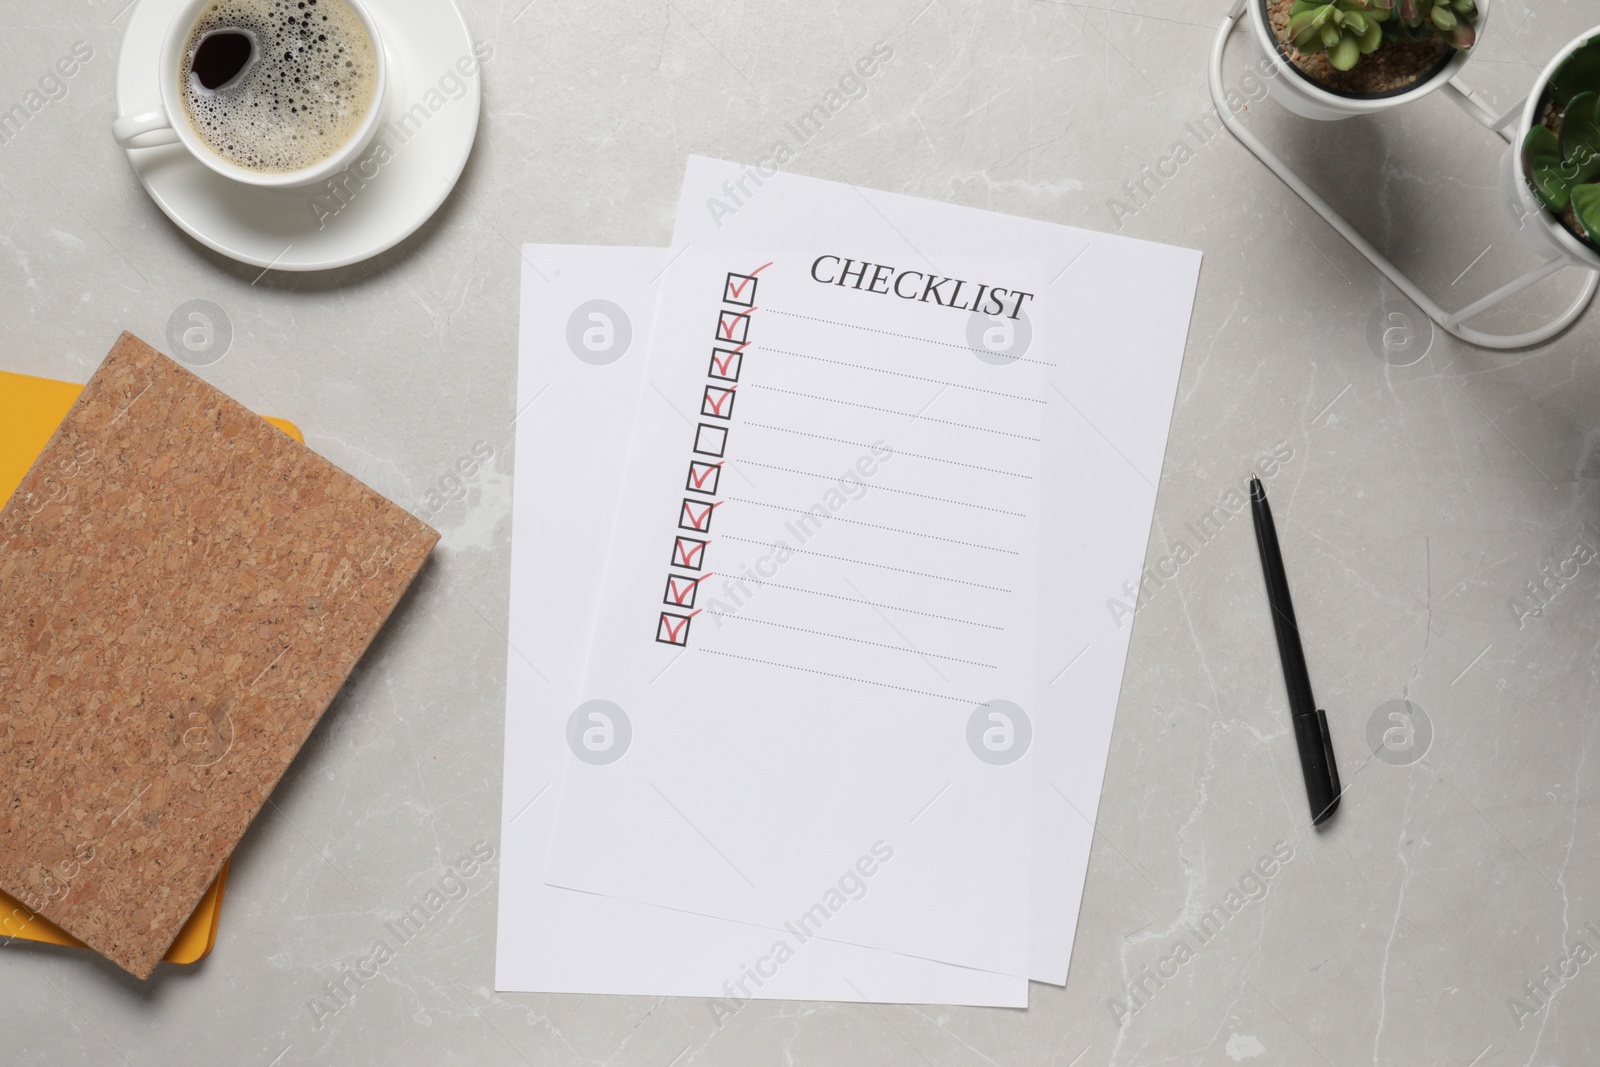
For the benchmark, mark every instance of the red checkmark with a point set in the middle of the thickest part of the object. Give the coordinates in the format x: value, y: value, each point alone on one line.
x: 700, y: 472
x: 716, y: 405
x: 674, y: 633
x: 681, y: 589
x: 738, y: 290
x: 725, y: 326
x: 686, y: 553
x: 701, y: 522
x: 724, y: 364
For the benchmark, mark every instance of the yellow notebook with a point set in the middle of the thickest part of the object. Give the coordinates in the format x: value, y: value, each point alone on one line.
x: 30, y: 410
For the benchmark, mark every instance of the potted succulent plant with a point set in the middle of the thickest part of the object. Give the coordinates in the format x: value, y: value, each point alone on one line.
x: 1560, y: 152
x: 1338, y: 58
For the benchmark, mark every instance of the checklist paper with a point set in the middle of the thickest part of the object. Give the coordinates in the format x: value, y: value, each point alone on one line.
x: 1120, y: 309
x: 586, y: 319
x: 818, y: 623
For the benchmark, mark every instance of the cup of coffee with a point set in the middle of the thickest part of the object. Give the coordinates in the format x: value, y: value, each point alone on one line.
x: 267, y: 92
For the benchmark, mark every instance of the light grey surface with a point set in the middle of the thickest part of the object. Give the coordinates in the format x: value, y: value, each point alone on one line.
x: 1418, y: 503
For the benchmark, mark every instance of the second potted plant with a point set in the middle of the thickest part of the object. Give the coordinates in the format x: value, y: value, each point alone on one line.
x: 1559, y: 144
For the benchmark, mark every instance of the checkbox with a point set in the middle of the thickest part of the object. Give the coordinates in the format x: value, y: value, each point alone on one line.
x: 740, y: 290
x: 718, y: 402
x: 734, y: 326
x: 689, y: 553
x: 696, y: 515
x: 710, y: 440
x: 703, y: 477
x: 726, y: 363
x: 674, y: 629
x: 681, y: 591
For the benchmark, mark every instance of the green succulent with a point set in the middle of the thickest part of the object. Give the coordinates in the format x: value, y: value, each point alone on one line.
x: 1564, y: 170
x: 1454, y: 20
x: 1349, y: 29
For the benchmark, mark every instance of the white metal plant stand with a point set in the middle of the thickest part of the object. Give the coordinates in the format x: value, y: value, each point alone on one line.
x: 1451, y: 322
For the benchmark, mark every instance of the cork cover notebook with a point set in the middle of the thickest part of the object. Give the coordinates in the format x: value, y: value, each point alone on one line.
x: 183, y: 589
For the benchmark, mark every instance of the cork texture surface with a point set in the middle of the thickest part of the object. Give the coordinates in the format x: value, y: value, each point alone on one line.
x: 183, y: 590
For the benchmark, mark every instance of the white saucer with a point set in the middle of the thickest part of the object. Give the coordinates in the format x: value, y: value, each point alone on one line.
x: 424, y: 40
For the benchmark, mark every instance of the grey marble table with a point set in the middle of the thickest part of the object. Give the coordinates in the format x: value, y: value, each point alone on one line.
x: 1438, y: 516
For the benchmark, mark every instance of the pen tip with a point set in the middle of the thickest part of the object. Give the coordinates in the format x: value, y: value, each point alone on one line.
x: 1257, y: 490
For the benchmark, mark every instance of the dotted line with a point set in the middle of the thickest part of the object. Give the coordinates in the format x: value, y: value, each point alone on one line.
x: 870, y: 604
x: 906, y: 336
x: 864, y: 563
x: 857, y: 640
x: 890, y: 411
x: 902, y: 374
x: 886, y: 489
x: 842, y: 677
x: 892, y: 451
x: 875, y: 526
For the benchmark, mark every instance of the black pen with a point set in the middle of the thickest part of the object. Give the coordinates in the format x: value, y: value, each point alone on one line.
x: 1310, y: 721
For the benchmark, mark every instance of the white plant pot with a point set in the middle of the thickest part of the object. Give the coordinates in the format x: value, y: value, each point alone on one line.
x: 1305, y: 97
x: 1537, y: 226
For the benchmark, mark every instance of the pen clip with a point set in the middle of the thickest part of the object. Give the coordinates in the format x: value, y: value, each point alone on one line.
x: 1335, y: 789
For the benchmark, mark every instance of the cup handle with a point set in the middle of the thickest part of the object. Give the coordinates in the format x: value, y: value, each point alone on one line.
x: 146, y: 130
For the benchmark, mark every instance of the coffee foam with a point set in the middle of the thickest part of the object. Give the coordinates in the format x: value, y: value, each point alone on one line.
x: 304, y: 94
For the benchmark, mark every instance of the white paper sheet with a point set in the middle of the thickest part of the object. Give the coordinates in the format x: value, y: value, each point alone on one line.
x: 1124, y: 306
x: 586, y: 319
x: 817, y: 627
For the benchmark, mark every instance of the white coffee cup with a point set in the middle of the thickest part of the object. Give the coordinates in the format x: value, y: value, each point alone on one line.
x: 170, y: 124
